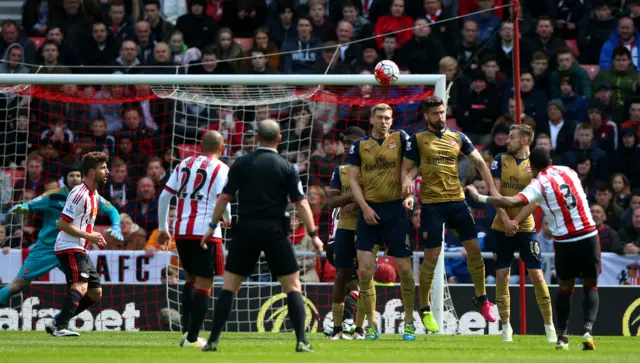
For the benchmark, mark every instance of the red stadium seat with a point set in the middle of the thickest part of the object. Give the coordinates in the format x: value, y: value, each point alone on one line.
x: 592, y: 70
x: 186, y: 150
x: 15, y: 175
x: 573, y: 44
x: 246, y: 43
x: 38, y: 41
x: 389, y: 261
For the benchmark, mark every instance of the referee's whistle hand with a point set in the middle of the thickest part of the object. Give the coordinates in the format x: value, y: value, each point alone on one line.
x: 370, y: 216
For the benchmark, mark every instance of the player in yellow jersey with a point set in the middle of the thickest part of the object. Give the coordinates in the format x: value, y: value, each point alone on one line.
x: 374, y: 175
x: 514, y: 232
x: 342, y: 250
x: 435, y: 150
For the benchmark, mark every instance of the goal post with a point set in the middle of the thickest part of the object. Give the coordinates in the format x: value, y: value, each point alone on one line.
x: 200, y: 100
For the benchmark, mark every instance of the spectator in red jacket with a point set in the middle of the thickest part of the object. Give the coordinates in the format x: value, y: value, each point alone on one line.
x: 395, y: 22
x: 231, y: 129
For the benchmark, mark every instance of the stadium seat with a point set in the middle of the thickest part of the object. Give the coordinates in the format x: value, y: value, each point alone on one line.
x: 186, y: 150
x: 246, y: 43
x: 592, y: 70
x: 389, y: 261
x: 38, y: 41
x: 102, y: 229
x: 15, y: 175
x: 573, y: 44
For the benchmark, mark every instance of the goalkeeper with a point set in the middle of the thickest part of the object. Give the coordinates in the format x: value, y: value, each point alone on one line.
x: 42, y: 258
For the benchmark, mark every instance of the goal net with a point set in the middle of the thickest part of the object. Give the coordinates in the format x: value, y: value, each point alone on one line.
x: 147, y: 125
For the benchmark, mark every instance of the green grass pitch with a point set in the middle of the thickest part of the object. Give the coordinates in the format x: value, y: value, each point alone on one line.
x: 147, y: 347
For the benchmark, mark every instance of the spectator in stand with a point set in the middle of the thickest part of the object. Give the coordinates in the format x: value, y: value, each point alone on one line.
x: 249, y: 145
x: 35, y: 14
x: 59, y: 135
x: 609, y: 240
x: 243, y: 16
x: 304, y: 50
x: 262, y: 41
x: 630, y: 236
x: 74, y: 18
x: 181, y: 53
x: 51, y: 63
x: 16, y: 141
x: 227, y: 48
x: 569, y: 68
x: 533, y: 99
x: 568, y: 15
x: 350, y: 53
x: 424, y: 51
x: 407, y: 115
x: 144, y: 41
x: 483, y: 214
x: 105, y: 143
x: 111, y: 112
x: 586, y: 176
x: 128, y: 61
x: 604, y: 197
x: 604, y: 93
x: 468, y: 50
x: 163, y: 63
x: 499, y: 139
x: 362, y: 27
x: 119, y: 189
x: 198, y: 28
x: 560, y: 130
x: 67, y: 55
x: 510, y: 117
x: 141, y: 134
x: 390, y: 50
x: 393, y: 23
x: 459, y: 90
x: 209, y: 63
x: 481, y: 110
x: 13, y: 60
x: 634, y: 204
x: 594, y: 30
x: 370, y: 57
x: 151, y: 248
x: 101, y: 49
x: 626, y: 157
x: 625, y: 35
x: 134, y: 236
x: 540, y: 69
x: 231, y: 129
x: 322, y: 163
x: 119, y: 23
x: 156, y: 172
x: 447, y: 27
x: 144, y: 210
x: 546, y: 41
x: 160, y: 29
x: 544, y: 141
x: 302, y: 132
x: 622, y: 76
x: 34, y: 178
x: 621, y: 190
x: 329, y: 61
x: 503, y: 49
x: 496, y: 80
x: 606, y: 132
x: 575, y: 106
x: 11, y: 34
x: 634, y: 117
x: 282, y: 28
x: 487, y: 21
x: 323, y: 28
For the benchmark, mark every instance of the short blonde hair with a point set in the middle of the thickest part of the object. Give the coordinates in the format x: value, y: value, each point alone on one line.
x: 524, y: 131
x: 380, y: 107
x: 448, y: 62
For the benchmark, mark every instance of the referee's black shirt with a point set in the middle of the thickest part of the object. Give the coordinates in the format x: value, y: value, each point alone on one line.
x: 264, y: 181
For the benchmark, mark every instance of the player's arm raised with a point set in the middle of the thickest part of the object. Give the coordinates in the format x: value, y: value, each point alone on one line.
x: 368, y: 213
x: 104, y: 207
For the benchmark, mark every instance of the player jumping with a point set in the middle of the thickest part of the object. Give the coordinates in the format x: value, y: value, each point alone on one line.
x: 374, y: 177
x: 76, y: 232
x: 512, y: 172
x: 435, y: 150
x: 559, y: 192
x: 196, y: 181
x: 41, y: 258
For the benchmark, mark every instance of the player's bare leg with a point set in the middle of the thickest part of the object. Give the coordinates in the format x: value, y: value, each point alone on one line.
x: 199, y: 308
x: 503, y: 300
x: 12, y: 288
x: 475, y: 264
x: 60, y: 324
x: 222, y: 308
x: 408, y: 288
x: 590, y: 310
x: 543, y: 298
x: 186, y: 302
x: 563, y: 310
x: 427, y: 271
x: 338, y: 297
x: 367, y: 301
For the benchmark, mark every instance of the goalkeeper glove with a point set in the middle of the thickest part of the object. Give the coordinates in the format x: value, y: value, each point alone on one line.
x: 19, y: 208
x: 116, y: 232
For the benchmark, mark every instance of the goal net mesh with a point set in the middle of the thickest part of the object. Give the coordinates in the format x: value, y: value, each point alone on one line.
x: 146, y: 130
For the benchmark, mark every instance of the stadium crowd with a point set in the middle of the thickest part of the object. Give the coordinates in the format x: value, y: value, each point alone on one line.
x: 579, y: 77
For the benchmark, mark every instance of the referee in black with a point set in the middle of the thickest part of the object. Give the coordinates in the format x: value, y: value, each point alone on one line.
x: 265, y: 182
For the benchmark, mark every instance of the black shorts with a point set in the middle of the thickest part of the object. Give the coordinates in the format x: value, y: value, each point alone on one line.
x: 390, y: 232
x: 78, y: 267
x: 341, y: 253
x: 199, y: 262
x: 578, y: 259
x: 525, y: 243
x: 250, y: 238
x: 456, y: 216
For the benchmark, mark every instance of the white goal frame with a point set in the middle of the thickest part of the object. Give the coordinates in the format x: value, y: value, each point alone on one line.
x: 436, y: 81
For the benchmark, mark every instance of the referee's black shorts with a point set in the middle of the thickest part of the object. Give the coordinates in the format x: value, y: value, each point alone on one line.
x: 199, y: 262
x: 252, y: 237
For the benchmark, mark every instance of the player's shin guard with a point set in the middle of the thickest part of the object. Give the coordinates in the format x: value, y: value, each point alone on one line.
x: 544, y: 301
x: 590, y: 307
x: 338, y: 312
x: 503, y: 300
x: 221, y: 312
x: 408, y: 287
x: 69, y: 306
x: 475, y: 264
x: 367, y: 301
x: 427, y: 270
x: 563, y: 309
x: 187, y: 297
x: 199, y: 307
x: 297, y: 315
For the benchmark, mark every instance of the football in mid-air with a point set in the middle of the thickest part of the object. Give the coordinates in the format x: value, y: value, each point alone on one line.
x: 386, y: 72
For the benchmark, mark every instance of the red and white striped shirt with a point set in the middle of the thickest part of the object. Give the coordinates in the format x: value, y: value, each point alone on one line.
x: 80, y: 209
x: 197, y: 181
x: 558, y: 191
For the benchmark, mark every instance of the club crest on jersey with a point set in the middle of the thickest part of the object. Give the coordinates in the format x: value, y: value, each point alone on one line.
x: 392, y: 145
x: 25, y: 271
x: 453, y: 143
x: 528, y: 169
x: 425, y: 235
